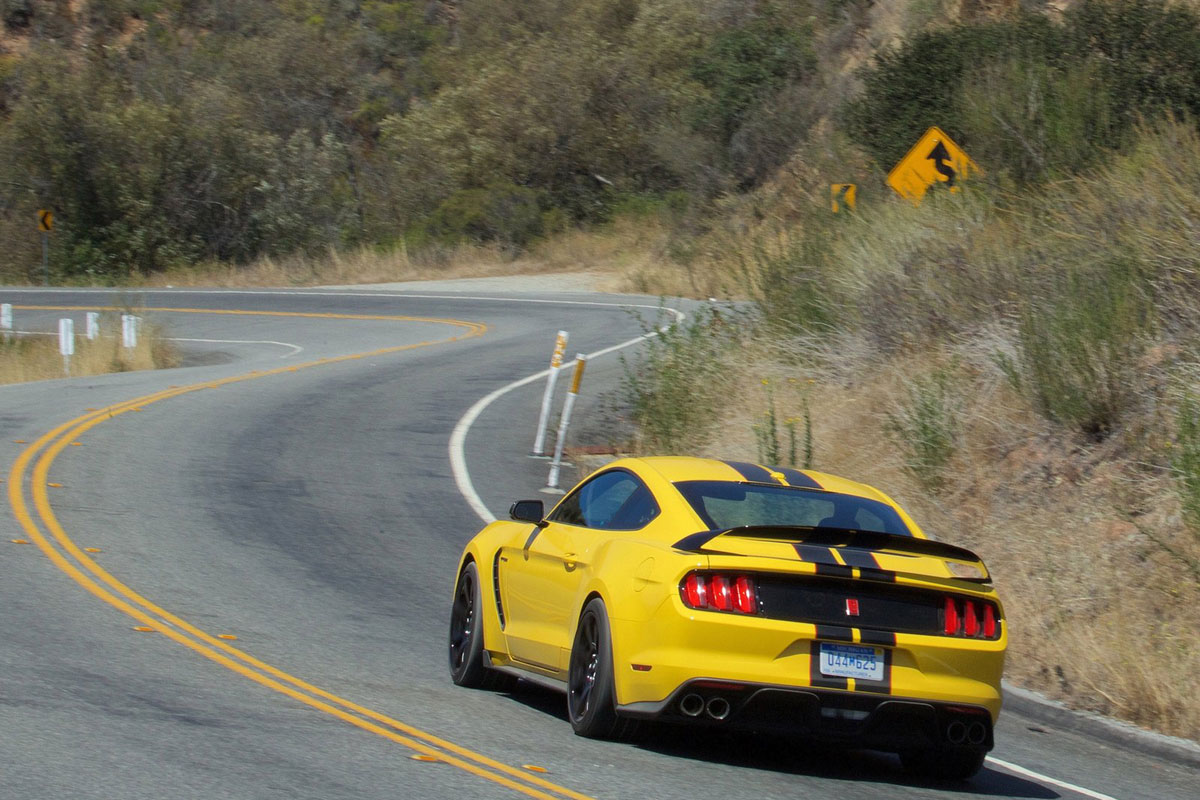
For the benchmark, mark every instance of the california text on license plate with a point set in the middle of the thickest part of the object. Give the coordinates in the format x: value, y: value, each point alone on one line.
x: 852, y: 661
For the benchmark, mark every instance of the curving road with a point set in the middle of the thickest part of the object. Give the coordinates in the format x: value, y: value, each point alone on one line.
x: 282, y: 518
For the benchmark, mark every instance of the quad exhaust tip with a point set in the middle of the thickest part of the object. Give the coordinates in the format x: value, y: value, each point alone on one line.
x: 956, y: 732
x: 976, y: 733
x: 692, y: 705
x: 718, y: 708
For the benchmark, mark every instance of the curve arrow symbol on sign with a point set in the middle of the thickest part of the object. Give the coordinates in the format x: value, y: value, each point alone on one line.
x: 940, y: 157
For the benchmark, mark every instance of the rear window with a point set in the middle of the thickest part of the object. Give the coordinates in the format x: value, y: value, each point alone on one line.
x: 724, y: 504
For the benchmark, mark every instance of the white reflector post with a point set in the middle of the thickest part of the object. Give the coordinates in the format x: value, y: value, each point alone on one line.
x: 564, y: 423
x: 66, y: 342
x: 6, y: 318
x: 129, y: 330
x: 66, y: 337
x: 93, y: 324
x: 556, y: 360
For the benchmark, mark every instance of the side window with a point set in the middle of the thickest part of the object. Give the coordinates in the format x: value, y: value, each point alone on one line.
x: 611, y: 501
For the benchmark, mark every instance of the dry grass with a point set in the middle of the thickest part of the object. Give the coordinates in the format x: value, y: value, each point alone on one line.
x: 625, y: 248
x: 31, y: 357
x: 1101, y: 614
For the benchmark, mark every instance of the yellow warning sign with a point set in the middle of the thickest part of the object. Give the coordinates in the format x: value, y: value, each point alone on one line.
x: 842, y: 194
x: 935, y: 158
x: 45, y: 220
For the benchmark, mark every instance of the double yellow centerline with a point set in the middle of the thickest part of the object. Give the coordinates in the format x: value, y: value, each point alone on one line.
x: 44, y: 530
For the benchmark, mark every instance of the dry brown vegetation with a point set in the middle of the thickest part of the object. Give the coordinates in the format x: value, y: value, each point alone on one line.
x: 1019, y: 371
x: 35, y: 357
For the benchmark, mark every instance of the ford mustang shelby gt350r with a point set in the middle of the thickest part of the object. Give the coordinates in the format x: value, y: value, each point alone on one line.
x: 727, y: 593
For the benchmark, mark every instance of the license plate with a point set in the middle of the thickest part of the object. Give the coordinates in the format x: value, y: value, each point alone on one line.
x: 852, y: 661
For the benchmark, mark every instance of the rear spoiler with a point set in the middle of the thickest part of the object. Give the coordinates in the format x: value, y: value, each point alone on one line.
x: 837, y: 537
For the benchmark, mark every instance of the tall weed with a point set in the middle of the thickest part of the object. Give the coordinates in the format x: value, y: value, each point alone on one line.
x: 927, y: 427
x: 675, y: 390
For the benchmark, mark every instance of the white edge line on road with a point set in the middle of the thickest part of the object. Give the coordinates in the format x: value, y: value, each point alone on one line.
x: 458, y: 438
x: 296, y: 349
x: 1037, y: 776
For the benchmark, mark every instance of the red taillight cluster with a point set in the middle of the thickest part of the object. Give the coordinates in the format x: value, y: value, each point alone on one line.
x: 972, y: 618
x: 716, y: 591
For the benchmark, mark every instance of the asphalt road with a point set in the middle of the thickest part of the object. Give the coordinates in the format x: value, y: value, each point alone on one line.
x: 305, y: 503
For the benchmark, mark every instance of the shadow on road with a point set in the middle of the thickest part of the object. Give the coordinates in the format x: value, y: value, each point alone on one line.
x: 794, y: 756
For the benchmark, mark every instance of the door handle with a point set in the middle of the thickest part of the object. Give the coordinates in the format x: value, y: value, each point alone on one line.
x: 569, y: 560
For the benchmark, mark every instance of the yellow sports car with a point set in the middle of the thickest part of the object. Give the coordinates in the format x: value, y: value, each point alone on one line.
x: 726, y: 593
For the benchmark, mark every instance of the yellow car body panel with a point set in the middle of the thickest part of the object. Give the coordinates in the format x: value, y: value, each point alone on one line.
x: 535, y: 581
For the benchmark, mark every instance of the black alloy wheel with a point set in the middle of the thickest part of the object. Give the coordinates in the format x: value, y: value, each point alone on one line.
x: 466, y: 635
x: 591, y: 704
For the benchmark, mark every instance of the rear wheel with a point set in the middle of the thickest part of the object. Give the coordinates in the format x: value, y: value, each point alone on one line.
x: 591, y: 699
x: 955, y: 765
x: 466, y: 636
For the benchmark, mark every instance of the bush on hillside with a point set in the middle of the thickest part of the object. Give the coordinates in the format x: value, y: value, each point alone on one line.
x: 503, y: 212
x: 1030, y: 97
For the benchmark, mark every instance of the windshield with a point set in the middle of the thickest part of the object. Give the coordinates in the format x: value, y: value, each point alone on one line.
x: 724, y: 504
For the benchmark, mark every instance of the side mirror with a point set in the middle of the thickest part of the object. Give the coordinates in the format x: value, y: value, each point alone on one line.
x: 528, y: 511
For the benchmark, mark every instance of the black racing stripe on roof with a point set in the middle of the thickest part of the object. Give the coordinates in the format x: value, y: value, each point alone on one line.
x: 858, y: 558
x: 795, y: 477
x: 751, y: 472
x: 815, y: 554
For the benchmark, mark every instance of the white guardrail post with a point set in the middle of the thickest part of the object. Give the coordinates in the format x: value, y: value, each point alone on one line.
x: 6, y: 320
x: 129, y: 330
x: 66, y: 342
x: 563, y: 424
x: 556, y: 362
x: 93, y: 324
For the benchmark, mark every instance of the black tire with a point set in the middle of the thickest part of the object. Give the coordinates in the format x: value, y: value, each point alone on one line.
x: 466, y: 636
x: 944, y: 764
x: 591, y: 700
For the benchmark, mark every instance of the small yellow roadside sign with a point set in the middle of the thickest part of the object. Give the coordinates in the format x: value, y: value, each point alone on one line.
x: 935, y: 158
x: 45, y: 220
x: 842, y: 194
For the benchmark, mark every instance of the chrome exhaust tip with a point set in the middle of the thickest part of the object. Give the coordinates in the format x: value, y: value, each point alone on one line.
x: 692, y: 705
x: 718, y: 708
x: 956, y: 732
x: 977, y: 733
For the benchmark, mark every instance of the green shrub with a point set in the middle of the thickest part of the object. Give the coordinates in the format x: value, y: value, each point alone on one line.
x: 927, y: 427
x: 1039, y: 96
x: 1039, y: 120
x: 743, y: 66
x: 1185, y: 459
x: 914, y: 86
x: 675, y: 390
x: 503, y: 212
x: 1080, y: 344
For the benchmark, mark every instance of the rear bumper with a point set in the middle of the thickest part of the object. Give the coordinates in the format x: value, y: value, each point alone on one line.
x: 884, y: 723
x: 929, y: 682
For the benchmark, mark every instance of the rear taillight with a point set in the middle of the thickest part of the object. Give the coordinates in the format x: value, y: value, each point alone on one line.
x: 974, y: 619
x: 970, y: 621
x: 695, y: 591
x: 744, y: 598
x: 717, y: 591
x: 989, y: 621
x: 951, y: 617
